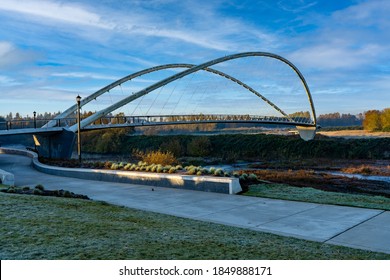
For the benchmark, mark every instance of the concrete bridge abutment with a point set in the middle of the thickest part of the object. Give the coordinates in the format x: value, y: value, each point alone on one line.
x: 58, y: 145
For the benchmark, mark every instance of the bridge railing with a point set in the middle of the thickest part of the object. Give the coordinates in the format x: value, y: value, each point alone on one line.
x: 37, y: 123
x: 161, y: 119
x: 110, y: 120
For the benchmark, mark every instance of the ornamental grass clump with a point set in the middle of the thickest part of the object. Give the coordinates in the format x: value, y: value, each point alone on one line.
x: 115, y: 166
x: 179, y: 167
x: 127, y: 166
x: 219, y: 172
x: 154, y: 168
x: 192, y: 171
x: 205, y: 171
x: 160, y: 169
x: 133, y: 167
x: 172, y: 170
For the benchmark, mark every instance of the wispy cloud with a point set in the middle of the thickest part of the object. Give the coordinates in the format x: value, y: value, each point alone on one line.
x: 296, y: 6
x: 202, y: 27
x: 56, y: 11
x: 84, y: 75
x: 11, y: 56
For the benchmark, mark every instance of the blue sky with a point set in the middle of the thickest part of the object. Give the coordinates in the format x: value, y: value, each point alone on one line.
x: 53, y: 50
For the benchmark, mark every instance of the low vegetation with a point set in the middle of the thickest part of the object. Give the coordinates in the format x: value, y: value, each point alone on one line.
x: 368, y: 170
x: 230, y: 148
x: 40, y: 190
x: 36, y: 227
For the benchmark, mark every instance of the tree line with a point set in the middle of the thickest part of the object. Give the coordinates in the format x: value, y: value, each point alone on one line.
x: 375, y: 120
x: 372, y: 120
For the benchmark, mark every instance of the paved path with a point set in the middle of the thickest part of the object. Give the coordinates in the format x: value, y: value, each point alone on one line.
x: 348, y: 226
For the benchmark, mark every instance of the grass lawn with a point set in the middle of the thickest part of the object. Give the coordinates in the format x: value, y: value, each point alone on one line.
x: 39, y: 227
x: 283, y: 191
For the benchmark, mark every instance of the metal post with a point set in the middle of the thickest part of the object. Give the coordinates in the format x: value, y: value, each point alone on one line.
x: 35, y: 119
x: 78, y: 99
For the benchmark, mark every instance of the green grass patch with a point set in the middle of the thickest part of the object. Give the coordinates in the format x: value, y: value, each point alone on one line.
x: 35, y: 227
x: 306, y: 194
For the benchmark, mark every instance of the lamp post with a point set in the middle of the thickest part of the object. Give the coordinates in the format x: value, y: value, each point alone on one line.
x: 35, y: 119
x: 78, y: 99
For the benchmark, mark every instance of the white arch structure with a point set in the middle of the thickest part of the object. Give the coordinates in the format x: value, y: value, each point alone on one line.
x: 310, y: 129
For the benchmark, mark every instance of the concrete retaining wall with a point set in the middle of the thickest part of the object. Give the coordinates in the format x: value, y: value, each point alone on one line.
x: 189, y: 182
x: 7, y: 178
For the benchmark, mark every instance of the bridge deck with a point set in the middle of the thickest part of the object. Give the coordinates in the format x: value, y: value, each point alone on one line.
x: 21, y: 127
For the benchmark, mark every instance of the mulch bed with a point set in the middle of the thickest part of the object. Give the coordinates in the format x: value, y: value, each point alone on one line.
x: 324, y: 181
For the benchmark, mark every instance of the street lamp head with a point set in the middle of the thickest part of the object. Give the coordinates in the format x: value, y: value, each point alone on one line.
x: 78, y: 98
x: 34, y: 113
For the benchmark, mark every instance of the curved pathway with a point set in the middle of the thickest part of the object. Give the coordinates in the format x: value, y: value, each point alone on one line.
x: 347, y: 226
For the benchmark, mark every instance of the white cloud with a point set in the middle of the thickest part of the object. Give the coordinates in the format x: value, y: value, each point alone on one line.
x: 54, y: 10
x: 84, y: 75
x: 368, y: 13
x: 10, y: 56
x: 200, y: 27
x: 7, y: 81
x: 336, y: 56
x: 295, y: 6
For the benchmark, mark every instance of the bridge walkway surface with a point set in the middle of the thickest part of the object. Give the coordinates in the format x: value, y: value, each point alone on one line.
x: 367, y: 229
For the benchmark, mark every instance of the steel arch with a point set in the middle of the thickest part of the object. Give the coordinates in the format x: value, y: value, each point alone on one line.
x: 194, y: 69
x: 107, y: 88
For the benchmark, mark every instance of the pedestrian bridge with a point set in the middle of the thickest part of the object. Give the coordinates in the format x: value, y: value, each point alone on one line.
x: 59, y: 133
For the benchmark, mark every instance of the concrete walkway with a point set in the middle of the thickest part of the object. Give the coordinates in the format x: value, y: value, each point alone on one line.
x: 347, y: 226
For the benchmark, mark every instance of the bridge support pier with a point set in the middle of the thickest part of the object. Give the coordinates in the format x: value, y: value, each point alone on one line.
x: 307, y: 133
x: 58, y: 145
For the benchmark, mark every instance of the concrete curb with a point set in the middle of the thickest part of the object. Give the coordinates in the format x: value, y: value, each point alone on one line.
x: 199, y: 183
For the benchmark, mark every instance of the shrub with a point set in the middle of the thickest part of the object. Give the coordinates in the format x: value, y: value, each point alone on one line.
x: 39, y: 187
x: 26, y: 188
x: 37, y: 192
x: 107, y: 164
x: 252, y: 177
x: 11, y: 190
x: 199, y: 146
x: 244, y: 177
x: 173, y: 146
x: 179, y: 167
x: 236, y: 174
x: 172, y: 170
x: 212, y: 170
x: 157, y: 157
x: 67, y: 194
x: 199, y: 173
